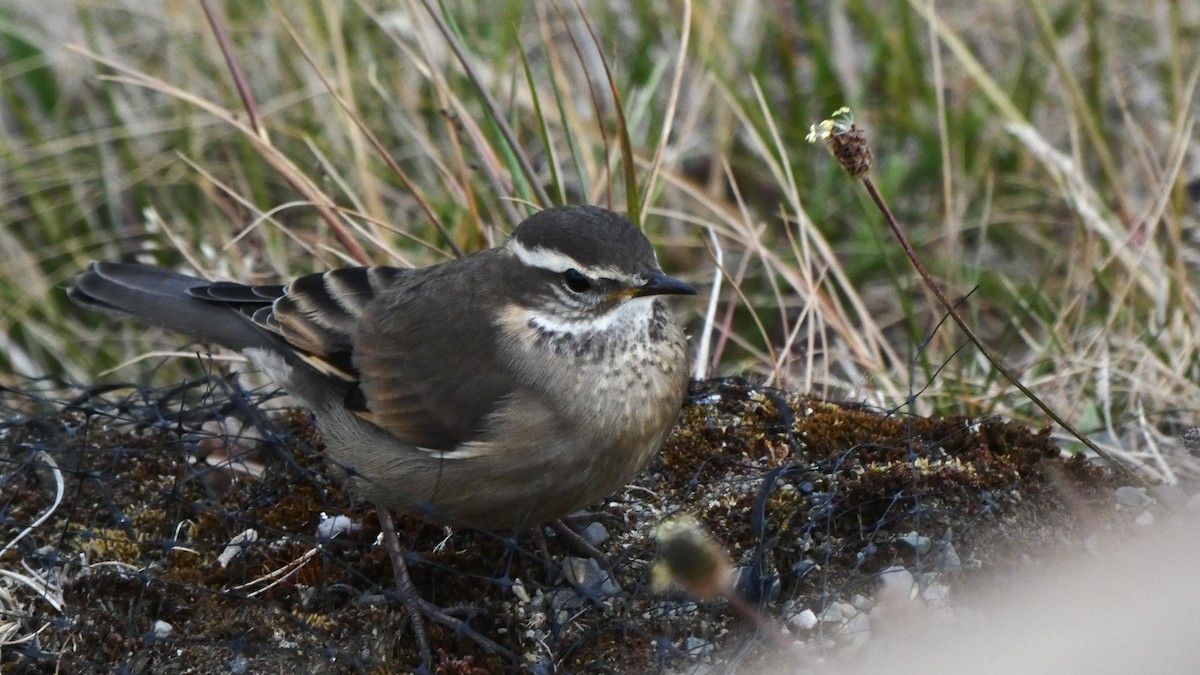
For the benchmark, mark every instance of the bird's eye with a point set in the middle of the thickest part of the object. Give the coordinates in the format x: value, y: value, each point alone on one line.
x: 575, y: 281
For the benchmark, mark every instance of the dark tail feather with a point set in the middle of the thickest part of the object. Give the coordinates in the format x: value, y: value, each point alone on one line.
x: 157, y: 297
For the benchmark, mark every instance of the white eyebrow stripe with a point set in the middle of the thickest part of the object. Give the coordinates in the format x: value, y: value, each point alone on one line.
x: 557, y: 261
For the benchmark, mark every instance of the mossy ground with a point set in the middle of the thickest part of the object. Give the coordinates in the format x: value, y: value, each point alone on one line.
x: 815, y: 497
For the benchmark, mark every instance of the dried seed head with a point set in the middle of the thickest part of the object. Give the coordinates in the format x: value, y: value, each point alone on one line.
x: 845, y: 140
x: 691, y: 559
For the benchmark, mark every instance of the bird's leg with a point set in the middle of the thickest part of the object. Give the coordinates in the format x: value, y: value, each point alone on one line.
x: 419, y: 608
x: 404, y: 585
x: 548, y: 566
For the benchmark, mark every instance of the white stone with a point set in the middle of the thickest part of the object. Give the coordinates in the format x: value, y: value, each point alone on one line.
x: 832, y: 614
x: 332, y: 526
x: 861, y: 602
x: 806, y: 620
x: 235, y: 546
x: 857, y: 630
x: 936, y: 594
x: 898, y: 582
x: 518, y: 589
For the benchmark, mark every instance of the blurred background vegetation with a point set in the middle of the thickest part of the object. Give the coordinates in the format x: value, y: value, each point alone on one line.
x: 1038, y: 153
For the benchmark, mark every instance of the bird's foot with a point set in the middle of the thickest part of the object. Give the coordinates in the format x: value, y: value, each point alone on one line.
x: 420, y: 610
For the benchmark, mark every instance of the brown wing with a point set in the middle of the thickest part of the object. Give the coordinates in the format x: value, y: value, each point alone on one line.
x: 425, y: 351
x: 414, y: 346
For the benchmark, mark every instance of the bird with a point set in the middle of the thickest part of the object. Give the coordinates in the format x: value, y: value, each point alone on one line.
x: 503, y: 389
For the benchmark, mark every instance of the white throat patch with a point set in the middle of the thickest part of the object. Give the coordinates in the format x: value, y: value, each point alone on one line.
x: 631, y: 315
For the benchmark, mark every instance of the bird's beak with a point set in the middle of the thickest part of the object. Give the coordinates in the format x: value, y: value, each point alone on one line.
x: 661, y: 284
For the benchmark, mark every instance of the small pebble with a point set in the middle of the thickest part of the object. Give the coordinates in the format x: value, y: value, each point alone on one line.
x: 918, y: 543
x: 857, y: 630
x: 936, y: 594
x: 832, y: 614
x: 898, y: 582
x: 861, y: 602
x: 518, y: 589
x: 1133, y: 497
x: 587, y: 577
x: 695, y: 647
x: 332, y: 526
x: 594, y: 534
x: 235, y: 546
x: 945, y: 557
x: 806, y: 620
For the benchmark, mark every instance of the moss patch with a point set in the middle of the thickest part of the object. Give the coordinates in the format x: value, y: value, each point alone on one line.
x: 809, y: 499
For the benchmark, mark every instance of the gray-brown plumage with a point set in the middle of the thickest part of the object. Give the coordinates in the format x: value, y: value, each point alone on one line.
x: 507, y: 388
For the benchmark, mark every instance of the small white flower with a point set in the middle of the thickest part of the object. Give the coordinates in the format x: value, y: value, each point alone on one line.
x: 840, y: 120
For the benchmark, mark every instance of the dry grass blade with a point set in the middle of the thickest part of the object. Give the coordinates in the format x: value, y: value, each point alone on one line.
x: 668, y: 119
x: 280, y: 162
x: 235, y: 69
x: 494, y: 113
x: 380, y: 150
x: 632, y: 189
